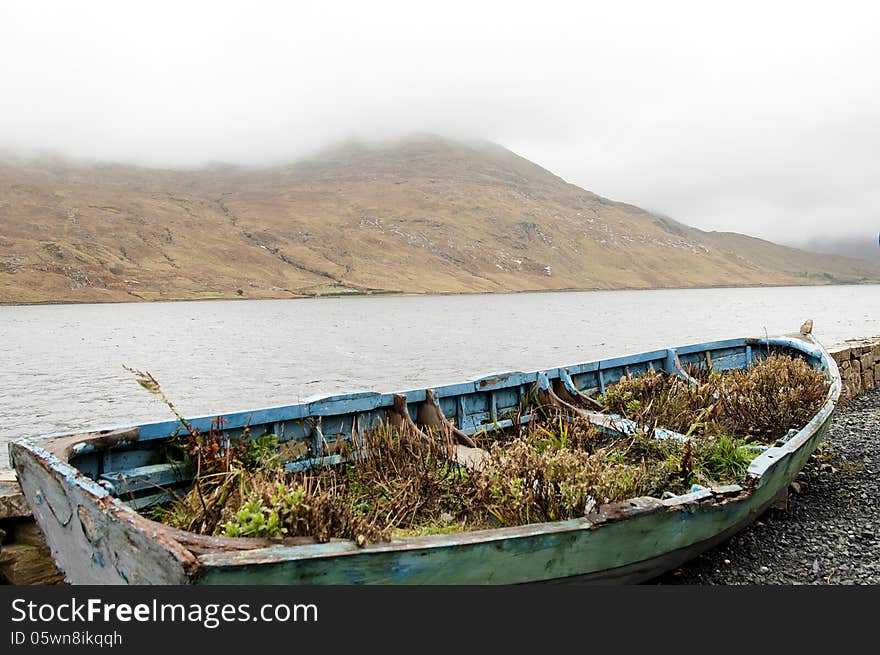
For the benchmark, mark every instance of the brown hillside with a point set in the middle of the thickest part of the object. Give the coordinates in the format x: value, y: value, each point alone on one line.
x: 427, y: 215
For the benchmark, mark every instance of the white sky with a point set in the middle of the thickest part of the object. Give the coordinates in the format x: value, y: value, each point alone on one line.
x: 758, y: 117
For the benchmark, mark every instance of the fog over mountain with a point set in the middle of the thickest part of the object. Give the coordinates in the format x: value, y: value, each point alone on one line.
x: 863, y: 246
x: 761, y: 118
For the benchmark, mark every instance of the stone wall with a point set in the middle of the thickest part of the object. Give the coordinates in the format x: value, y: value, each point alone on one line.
x: 859, y: 363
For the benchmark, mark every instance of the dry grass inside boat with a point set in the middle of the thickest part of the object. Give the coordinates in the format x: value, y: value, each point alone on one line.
x: 553, y: 468
x: 764, y: 401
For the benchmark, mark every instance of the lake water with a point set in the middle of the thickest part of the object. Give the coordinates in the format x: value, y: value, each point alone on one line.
x: 61, y: 366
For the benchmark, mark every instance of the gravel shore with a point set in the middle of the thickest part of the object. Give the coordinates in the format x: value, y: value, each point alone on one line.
x: 830, y: 533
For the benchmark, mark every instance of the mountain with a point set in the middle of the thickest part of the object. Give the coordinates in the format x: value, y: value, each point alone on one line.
x: 863, y: 247
x: 418, y: 216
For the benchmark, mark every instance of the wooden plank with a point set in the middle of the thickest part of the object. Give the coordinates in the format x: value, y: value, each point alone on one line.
x: 153, y: 477
x: 486, y: 424
x: 314, y: 462
x: 613, y: 423
x: 672, y: 365
x: 149, y: 500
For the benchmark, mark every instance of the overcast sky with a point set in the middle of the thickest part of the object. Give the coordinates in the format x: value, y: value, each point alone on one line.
x: 759, y: 117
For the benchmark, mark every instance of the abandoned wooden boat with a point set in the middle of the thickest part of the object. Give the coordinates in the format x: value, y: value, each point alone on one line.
x: 86, y: 489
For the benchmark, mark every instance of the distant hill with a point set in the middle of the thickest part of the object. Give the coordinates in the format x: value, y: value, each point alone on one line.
x: 420, y: 216
x: 862, y: 247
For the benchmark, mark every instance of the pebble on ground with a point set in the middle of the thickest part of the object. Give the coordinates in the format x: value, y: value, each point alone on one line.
x: 828, y: 534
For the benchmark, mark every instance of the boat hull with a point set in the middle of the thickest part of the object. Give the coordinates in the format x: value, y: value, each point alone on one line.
x: 97, y: 539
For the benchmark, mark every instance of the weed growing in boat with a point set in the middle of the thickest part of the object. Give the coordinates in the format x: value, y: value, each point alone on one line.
x: 260, y: 453
x: 676, y: 465
x: 655, y: 398
x: 764, y: 401
x: 218, y: 466
x: 776, y: 395
x: 310, y: 504
x: 526, y: 485
x: 405, y: 482
x: 560, y: 469
x: 221, y: 470
x: 723, y: 458
x: 254, y: 519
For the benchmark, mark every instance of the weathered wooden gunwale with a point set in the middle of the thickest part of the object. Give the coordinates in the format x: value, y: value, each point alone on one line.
x: 97, y: 538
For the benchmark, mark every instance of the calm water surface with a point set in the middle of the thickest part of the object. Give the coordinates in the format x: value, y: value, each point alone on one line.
x: 61, y: 366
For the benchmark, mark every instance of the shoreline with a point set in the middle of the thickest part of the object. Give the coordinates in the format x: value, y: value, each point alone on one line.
x: 418, y: 294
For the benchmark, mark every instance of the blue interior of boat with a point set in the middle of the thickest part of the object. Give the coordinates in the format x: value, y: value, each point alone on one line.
x: 314, y: 433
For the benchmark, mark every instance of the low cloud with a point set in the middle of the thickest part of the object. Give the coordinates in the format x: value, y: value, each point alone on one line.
x: 755, y: 118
